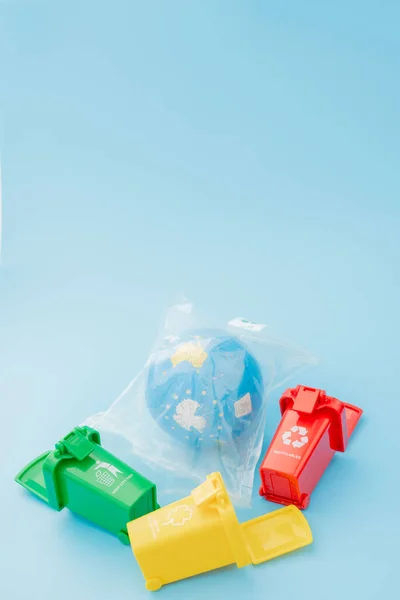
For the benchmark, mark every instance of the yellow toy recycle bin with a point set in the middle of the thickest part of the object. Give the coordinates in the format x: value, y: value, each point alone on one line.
x: 201, y: 532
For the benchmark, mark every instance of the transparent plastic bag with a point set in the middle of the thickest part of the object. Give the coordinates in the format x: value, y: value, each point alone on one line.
x: 199, y: 403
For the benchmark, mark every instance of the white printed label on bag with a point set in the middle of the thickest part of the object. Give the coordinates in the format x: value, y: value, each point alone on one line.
x: 246, y: 324
x: 243, y: 406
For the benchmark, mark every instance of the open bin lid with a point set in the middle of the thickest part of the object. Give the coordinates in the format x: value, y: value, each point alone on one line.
x: 260, y: 539
x: 343, y: 417
x: 42, y: 475
x: 276, y: 533
x: 353, y: 415
x: 31, y: 477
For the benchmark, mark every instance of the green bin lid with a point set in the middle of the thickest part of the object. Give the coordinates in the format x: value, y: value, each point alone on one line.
x: 41, y: 475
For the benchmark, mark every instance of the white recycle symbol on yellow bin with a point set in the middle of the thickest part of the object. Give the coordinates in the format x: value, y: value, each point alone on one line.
x: 300, y: 439
x: 179, y: 515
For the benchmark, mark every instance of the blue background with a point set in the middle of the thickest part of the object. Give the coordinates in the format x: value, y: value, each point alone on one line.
x: 246, y: 154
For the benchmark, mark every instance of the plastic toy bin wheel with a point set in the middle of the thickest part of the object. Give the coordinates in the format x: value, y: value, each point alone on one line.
x: 201, y: 533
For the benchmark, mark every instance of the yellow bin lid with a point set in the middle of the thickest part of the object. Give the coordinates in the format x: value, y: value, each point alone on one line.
x: 260, y: 539
x: 276, y: 533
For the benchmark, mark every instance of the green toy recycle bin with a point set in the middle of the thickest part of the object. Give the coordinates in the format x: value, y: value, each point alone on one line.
x: 91, y: 482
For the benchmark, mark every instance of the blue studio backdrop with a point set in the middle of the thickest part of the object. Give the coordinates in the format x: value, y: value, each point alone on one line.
x: 245, y: 154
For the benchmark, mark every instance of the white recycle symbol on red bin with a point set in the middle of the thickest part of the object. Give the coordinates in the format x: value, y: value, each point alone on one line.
x: 301, y: 437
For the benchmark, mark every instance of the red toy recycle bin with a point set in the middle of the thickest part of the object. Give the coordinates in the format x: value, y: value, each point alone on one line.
x: 313, y: 427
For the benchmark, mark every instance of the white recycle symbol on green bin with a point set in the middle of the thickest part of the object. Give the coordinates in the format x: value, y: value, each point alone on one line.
x: 106, y: 474
x: 298, y: 440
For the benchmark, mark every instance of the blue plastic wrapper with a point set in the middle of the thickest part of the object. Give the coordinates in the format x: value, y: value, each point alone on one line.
x: 199, y: 404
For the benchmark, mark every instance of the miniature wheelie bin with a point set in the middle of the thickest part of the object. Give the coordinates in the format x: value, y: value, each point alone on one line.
x: 201, y: 532
x: 91, y: 482
x: 313, y: 428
